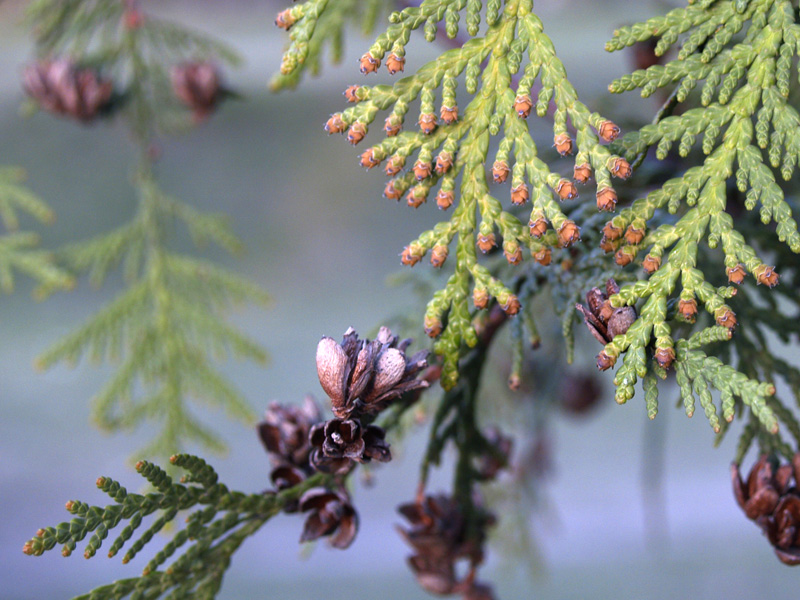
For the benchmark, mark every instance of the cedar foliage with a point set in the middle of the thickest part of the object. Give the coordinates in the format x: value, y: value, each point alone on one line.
x: 681, y: 244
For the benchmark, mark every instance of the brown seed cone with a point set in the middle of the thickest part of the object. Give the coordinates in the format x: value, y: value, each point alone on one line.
x: 523, y: 105
x: 339, y: 442
x: 500, y: 171
x: 566, y: 190
x: 688, y: 309
x: 411, y: 255
x: 608, y: 131
x: 582, y: 173
x: 284, y: 432
x: 285, y: 20
x: 568, y: 233
x: 564, y: 144
x: 538, y: 227
x: 665, y: 357
x: 369, y: 64
x: 368, y: 159
x: 445, y: 199
x: 725, y: 317
x: 335, y: 124
x: 449, y: 114
x: 350, y: 93
x: 510, y: 304
x: 443, y: 162
x: 197, y: 85
x: 422, y: 169
x: 392, y: 125
x: 61, y: 88
x: 480, y: 297
x: 356, y: 132
x: 439, y: 255
x: 395, y: 64
x: 331, y: 514
x: 544, y: 257
x: 519, y: 194
x: 394, y: 165
x: 427, y: 123
x: 416, y: 197
x: 634, y: 235
x: 651, y: 263
x: 623, y: 256
x: 606, y: 199
x: 433, y: 326
x: 620, y: 168
x: 605, y: 361
x: 611, y: 231
x: 759, y: 497
x: 486, y: 242
x: 392, y: 192
x: 766, y: 275
x: 736, y: 274
x: 513, y: 254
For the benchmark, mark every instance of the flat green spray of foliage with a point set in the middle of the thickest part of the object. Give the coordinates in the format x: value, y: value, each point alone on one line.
x: 167, y: 329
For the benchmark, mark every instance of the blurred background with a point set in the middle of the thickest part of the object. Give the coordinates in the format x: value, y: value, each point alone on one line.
x: 322, y: 241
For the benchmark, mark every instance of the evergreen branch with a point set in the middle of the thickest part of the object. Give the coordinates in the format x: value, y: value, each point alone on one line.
x: 221, y: 520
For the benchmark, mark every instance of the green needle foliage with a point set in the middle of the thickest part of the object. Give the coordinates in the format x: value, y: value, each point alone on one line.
x: 315, y: 25
x: 18, y: 249
x: 220, y: 521
x: 167, y: 329
x: 743, y: 54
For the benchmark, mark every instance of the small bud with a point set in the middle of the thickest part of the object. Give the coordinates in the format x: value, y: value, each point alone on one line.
x: 607, y: 245
x: 523, y: 105
x: 350, y: 93
x: 568, y: 233
x: 543, y: 256
x: 582, y: 173
x: 688, y: 309
x: 335, y: 124
x: 395, y: 63
x: 438, y: 255
x: 422, y: 170
x: 480, y: 297
x: 368, y: 159
x: 766, y: 275
x: 605, y: 361
x: 611, y: 231
x: 563, y: 144
x: 285, y: 20
x: 519, y: 194
x: 606, y: 199
x: 416, y: 197
x: 736, y: 274
x: 427, y: 123
x: 665, y: 357
x: 411, y: 255
x: 394, y: 165
x: 513, y: 253
x: 608, y: 131
x: 449, y: 114
x: 392, y: 125
x: 443, y: 162
x: 356, y: 132
x: 445, y: 199
x: 634, y: 235
x: 509, y: 303
x: 725, y: 317
x: 621, y: 168
x: 369, y: 64
x: 433, y: 326
x: 500, y: 171
x: 391, y: 192
x: 651, y: 263
x: 623, y: 256
x: 566, y: 190
x: 538, y: 227
x: 486, y: 242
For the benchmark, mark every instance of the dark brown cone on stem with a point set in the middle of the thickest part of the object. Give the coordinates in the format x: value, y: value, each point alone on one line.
x: 284, y: 431
x: 61, y: 88
x: 197, y: 85
x: 331, y: 514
